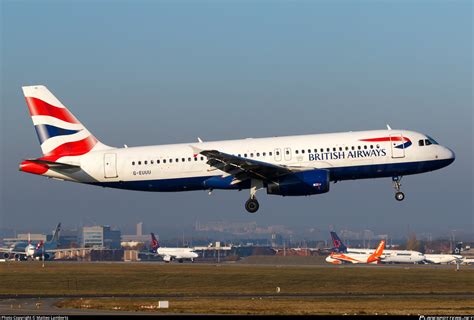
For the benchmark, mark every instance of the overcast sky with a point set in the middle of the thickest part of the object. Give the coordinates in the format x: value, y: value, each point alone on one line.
x: 155, y: 72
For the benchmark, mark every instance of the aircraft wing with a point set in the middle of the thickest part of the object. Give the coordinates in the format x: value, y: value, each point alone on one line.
x: 244, y: 168
x: 6, y: 250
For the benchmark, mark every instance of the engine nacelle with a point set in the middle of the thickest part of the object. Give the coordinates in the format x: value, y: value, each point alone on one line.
x: 6, y: 255
x: 302, y: 183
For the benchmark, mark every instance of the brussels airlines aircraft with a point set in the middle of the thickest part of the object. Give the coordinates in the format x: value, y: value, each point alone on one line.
x: 286, y: 166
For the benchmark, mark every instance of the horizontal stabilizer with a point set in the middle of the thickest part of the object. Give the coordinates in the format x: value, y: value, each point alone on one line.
x: 54, y: 165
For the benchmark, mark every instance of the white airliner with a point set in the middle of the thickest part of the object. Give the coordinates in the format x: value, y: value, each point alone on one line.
x: 169, y: 254
x: 389, y: 256
x: 286, y: 166
x: 374, y: 257
x: 455, y: 257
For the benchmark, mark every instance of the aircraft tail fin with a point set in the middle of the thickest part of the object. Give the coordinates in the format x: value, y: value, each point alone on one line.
x: 378, y: 252
x: 338, y: 245
x: 55, y: 238
x: 154, y: 243
x: 457, y: 250
x: 59, y: 132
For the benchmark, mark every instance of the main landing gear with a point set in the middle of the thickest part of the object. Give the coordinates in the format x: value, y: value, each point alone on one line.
x: 252, y: 204
x: 399, y: 196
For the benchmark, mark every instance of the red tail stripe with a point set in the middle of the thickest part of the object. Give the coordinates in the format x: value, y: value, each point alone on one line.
x: 40, y: 108
x: 75, y: 148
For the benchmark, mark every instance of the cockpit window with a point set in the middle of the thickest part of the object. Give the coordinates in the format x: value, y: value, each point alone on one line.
x: 431, y: 140
x: 421, y: 143
x: 428, y: 142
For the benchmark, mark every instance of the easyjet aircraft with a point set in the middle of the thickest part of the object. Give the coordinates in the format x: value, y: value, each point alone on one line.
x: 286, y: 166
x: 340, y: 257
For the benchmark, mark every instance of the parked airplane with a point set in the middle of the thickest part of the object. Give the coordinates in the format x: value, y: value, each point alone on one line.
x: 286, y: 166
x: 374, y: 257
x: 446, y: 258
x: 170, y: 254
x: 389, y: 256
x: 23, y: 249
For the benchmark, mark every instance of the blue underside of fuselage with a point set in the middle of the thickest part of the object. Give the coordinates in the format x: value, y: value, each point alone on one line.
x: 336, y: 173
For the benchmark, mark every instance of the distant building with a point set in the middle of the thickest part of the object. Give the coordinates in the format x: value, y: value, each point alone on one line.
x: 100, y: 236
x: 23, y: 237
x: 139, y: 237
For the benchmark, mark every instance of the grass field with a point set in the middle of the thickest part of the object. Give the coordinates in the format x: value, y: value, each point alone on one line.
x: 201, y: 288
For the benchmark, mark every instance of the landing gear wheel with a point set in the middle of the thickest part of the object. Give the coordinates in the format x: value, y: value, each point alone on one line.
x: 252, y: 205
x: 399, y: 196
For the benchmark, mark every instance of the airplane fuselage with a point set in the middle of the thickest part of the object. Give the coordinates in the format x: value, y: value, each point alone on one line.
x: 175, y: 167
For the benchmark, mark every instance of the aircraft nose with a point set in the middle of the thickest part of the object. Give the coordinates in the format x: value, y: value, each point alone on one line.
x: 450, y: 154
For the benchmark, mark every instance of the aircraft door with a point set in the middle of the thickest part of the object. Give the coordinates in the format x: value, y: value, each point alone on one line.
x: 110, y: 165
x: 397, y: 145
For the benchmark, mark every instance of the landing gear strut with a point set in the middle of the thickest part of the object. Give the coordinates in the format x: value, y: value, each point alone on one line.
x: 399, y: 196
x: 252, y: 204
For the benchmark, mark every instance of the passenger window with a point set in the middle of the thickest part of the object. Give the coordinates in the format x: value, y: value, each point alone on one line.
x: 302, y: 151
x: 333, y: 149
x: 309, y: 150
x: 359, y: 147
x: 239, y: 155
x: 347, y: 148
x: 270, y: 153
x: 287, y: 152
x: 365, y: 147
x: 139, y: 162
x: 146, y: 162
x: 328, y: 149
x: 202, y: 158
x: 353, y: 148
x: 151, y: 162
x: 315, y: 150
x: 340, y: 148
x: 371, y: 146
x: 177, y: 159
x: 245, y: 155
x: 251, y: 155
x: 133, y: 163
x: 296, y: 151
x: 171, y: 160
x: 195, y: 158
x: 189, y: 159
x: 322, y: 150
x: 263, y: 154
x: 421, y: 143
x: 164, y: 160
x: 277, y: 153
x: 182, y: 159
x: 158, y: 161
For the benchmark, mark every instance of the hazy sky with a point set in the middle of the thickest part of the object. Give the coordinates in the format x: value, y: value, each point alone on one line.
x: 154, y: 72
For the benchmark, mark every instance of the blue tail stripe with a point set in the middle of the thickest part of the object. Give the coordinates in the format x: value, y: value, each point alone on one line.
x: 46, y: 131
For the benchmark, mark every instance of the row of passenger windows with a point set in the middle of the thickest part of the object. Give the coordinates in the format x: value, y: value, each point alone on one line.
x: 258, y: 154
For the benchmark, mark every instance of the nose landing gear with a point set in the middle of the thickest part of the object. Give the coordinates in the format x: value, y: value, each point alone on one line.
x: 399, y: 196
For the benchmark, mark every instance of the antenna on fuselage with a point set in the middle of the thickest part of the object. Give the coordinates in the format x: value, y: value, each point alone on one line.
x: 200, y: 140
x: 388, y: 127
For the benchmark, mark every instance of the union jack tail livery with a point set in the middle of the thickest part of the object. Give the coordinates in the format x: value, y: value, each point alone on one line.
x: 59, y: 132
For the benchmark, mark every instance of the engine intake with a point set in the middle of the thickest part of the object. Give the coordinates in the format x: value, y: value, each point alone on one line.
x: 302, y: 183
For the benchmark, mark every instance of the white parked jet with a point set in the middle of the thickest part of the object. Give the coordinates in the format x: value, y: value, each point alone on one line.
x: 446, y: 258
x: 286, y: 166
x: 169, y: 254
x: 389, y: 256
